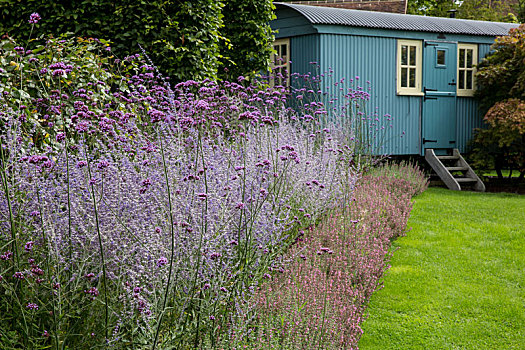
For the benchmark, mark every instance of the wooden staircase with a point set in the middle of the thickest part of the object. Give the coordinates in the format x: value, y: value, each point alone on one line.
x: 454, y: 171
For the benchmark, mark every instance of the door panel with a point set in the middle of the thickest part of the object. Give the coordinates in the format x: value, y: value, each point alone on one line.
x: 439, y: 102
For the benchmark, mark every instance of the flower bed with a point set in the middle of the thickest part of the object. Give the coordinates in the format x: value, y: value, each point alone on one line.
x: 139, y: 214
x: 319, y: 300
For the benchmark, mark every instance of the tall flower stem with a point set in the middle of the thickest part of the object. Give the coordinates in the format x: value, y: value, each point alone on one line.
x: 66, y: 146
x: 204, y: 228
x: 14, y: 241
x: 45, y: 243
x: 172, y: 239
x: 97, y: 224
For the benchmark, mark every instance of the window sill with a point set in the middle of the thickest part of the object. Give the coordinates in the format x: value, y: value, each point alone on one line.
x: 465, y: 94
x: 410, y: 93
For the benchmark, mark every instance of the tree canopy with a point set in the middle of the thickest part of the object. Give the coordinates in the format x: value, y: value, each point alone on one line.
x: 485, y: 10
x: 502, y: 92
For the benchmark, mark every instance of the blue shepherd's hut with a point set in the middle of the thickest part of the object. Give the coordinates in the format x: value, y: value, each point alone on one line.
x: 422, y: 70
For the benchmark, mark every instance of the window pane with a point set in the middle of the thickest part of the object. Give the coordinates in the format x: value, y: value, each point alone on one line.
x: 461, y: 58
x: 469, y: 79
x: 284, y: 53
x: 404, y: 77
x: 461, y: 79
x: 469, y: 58
x: 441, y: 57
x: 404, y: 55
x: 276, y: 55
x: 412, y: 78
x: 412, y: 55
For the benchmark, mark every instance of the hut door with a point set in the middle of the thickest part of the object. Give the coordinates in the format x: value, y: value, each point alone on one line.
x: 439, y: 102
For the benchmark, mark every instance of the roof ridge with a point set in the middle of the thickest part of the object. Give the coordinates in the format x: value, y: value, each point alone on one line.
x: 388, y: 20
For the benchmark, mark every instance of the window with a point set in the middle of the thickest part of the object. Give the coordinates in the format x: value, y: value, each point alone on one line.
x: 467, y: 59
x: 409, y: 64
x: 440, y: 58
x: 281, y: 62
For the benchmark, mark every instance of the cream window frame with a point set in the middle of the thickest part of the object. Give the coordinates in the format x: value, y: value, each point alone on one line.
x: 464, y: 92
x: 418, y: 66
x: 284, y: 64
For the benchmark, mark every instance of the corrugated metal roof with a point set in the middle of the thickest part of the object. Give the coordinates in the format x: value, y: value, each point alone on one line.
x: 383, y: 20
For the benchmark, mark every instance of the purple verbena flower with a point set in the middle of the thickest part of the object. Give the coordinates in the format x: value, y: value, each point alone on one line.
x: 162, y: 261
x: 37, y: 271
x: 59, y: 73
x: 32, y: 306
x: 29, y: 246
x: 34, y: 18
x: 92, y: 291
x: 103, y: 164
x: 60, y: 137
x: 6, y: 256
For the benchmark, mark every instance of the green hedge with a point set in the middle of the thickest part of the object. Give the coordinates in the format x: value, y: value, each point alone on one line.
x: 186, y: 39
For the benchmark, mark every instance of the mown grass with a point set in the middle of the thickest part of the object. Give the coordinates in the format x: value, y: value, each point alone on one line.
x: 458, y: 278
x: 505, y: 173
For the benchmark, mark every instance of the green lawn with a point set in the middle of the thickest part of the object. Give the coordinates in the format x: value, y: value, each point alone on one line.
x: 505, y: 173
x: 458, y: 278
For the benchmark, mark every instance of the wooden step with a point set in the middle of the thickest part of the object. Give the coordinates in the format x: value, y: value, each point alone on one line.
x: 456, y: 168
x: 465, y: 179
x: 449, y: 175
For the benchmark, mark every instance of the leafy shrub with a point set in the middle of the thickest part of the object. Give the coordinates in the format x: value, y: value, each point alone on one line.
x: 502, y: 92
x: 52, y: 84
x: 502, y: 145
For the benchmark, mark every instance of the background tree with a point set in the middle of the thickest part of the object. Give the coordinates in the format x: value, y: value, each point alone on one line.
x: 436, y: 8
x: 502, y: 91
x: 186, y: 39
x: 485, y: 10
x: 521, y: 11
x: 488, y: 10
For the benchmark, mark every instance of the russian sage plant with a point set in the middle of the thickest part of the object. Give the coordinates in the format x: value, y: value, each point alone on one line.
x: 135, y: 214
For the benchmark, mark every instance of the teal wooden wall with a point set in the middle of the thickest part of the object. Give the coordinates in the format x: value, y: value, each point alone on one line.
x: 468, y: 112
x: 372, y: 59
x: 304, y: 51
x: 371, y: 55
